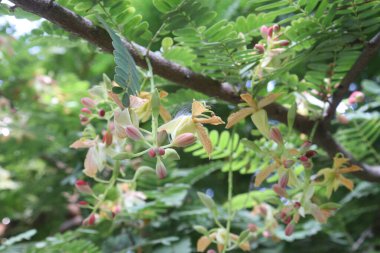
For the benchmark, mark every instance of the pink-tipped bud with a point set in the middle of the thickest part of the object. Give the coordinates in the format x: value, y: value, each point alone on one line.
x: 260, y: 48
x: 83, y: 187
x: 152, y: 153
x: 276, y: 28
x: 284, y: 180
x: 270, y: 32
x: 107, y: 138
x: 252, y: 227
x: 88, y: 102
x: 160, y: 170
x: 288, y: 163
x: 289, y: 229
x: 86, y: 110
x: 263, y: 210
x: 303, y: 158
x: 279, y: 190
x: 310, y: 153
x: 297, y: 205
x: 275, y: 135
x: 90, y: 220
x: 102, y: 112
x: 83, y: 203
x: 162, y: 137
x: 184, y: 140
x: 83, y: 119
x: 283, y: 43
x: 264, y: 31
x: 306, y: 145
x: 356, y: 97
x: 133, y: 133
x: 160, y: 151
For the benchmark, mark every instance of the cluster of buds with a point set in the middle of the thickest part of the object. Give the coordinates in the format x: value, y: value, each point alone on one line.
x: 89, y: 109
x: 271, y: 35
x: 289, y: 216
x: 307, y: 154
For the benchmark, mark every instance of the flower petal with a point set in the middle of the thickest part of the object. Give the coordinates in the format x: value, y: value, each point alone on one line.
x: 238, y: 116
x: 214, y: 120
x: 83, y: 143
x: 203, y: 243
x: 352, y: 168
x: 203, y: 137
x: 346, y: 182
x: 165, y: 115
x: 268, y: 99
x: 197, y: 108
x: 263, y: 174
x: 249, y: 100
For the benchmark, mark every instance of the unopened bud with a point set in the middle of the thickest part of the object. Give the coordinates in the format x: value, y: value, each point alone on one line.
x: 276, y: 28
x: 252, y: 227
x: 270, y: 32
x: 297, y: 205
x: 133, y: 133
x: 83, y: 203
x: 279, y: 190
x: 83, y: 187
x: 152, y: 153
x: 288, y: 163
x: 88, y: 102
x: 284, y: 180
x: 306, y: 145
x: 107, y: 138
x: 275, y: 135
x: 211, y: 251
x: 86, y: 110
x: 184, y: 140
x: 102, y: 112
x: 289, y: 229
x: 310, y: 153
x: 83, y: 119
x: 160, y: 169
x: 356, y: 97
x: 160, y: 151
x: 162, y: 137
x: 260, y: 48
x: 283, y: 43
x: 264, y: 31
x: 90, y: 220
x: 342, y: 119
x: 303, y: 158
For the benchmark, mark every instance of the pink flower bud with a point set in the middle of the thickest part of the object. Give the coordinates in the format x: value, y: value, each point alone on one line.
x: 284, y: 180
x: 276, y: 28
x: 184, y: 140
x: 133, y: 133
x: 289, y: 229
x: 162, y: 137
x: 102, y: 112
x: 83, y: 187
x: 260, y: 48
x: 160, y: 169
x: 279, y: 190
x: 88, y: 102
x: 264, y: 31
x: 252, y: 227
x: 288, y: 163
x: 107, y: 138
x: 160, y: 151
x: 86, y: 110
x: 283, y: 43
x: 90, y: 220
x: 303, y: 158
x: 310, y: 153
x: 152, y: 153
x: 270, y: 32
x: 83, y: 119
x: 356, y: 97
x: 297, y: 205
x: 211, y: 251
x: 275, y: 135
x: 83, y: 203
x: 306, y: 145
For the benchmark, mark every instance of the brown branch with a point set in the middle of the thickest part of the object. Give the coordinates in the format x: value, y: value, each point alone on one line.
x: 361, y: 63
x: 84, y: 28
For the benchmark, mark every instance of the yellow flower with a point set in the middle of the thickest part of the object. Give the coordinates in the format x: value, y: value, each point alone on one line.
x: 142, y: 105
x: 259, y: 116
x: 194, y: 124
x: 333, y: 177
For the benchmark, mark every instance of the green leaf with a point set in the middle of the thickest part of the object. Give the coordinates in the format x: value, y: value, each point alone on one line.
x: 208, y: 202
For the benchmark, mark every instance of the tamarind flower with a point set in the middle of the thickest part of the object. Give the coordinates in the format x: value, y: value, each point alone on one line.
x: 220, y: 237
x: 333, y: 177
x: 259, y: 116
x: 142, y: 105
x: 194, y: 124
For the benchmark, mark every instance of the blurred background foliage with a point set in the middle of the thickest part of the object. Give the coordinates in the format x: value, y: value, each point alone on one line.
x: 46, y: 71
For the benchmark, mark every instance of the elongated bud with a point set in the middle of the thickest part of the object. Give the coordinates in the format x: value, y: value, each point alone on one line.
x: 133, y: 133
x: 284, y: 180
x: 275, y: 135
x: 162, y: 137
x: 102, y: 112
x: 279, y: 190
x: 184, y: 140
x: 283, y: 43
x: 310, y: 153
x: 289, y: 229
x: 264, y: 31
x: 260, y: 48
x: 83, y: 187
x: 160, y: 169
x: 152, y: 153
x: 107, y: 138
x: 83, y: 203
x: 270, y: 32
x: 306, y: 145
x: 276, y: 28
x: 356, y: 97
x: 86, y: 110
x: 252, y: 227
x: 88, y: 102
x: 288, y: 163
x: 90, y: 220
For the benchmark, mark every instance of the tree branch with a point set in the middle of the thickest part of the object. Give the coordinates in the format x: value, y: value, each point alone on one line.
x: 84, y: 28
x: 361, y: 63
